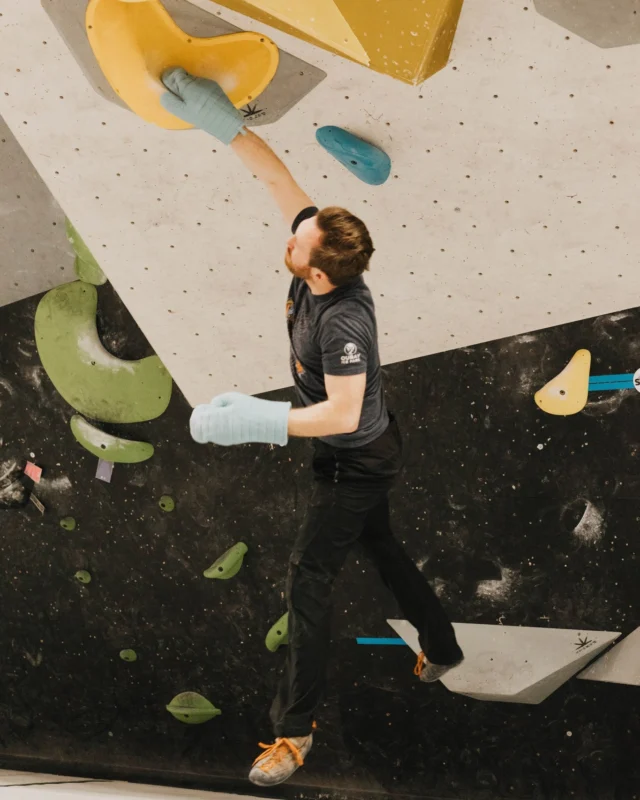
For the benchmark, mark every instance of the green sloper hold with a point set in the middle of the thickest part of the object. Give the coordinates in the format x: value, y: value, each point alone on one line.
x: 192, y: 708
x: 83, y: 576
x: 87, y: 268
x: 279, y: 634
x: 167, y: 503
x: 68, y: 523
x: 107, y: 447
x: 128, y: 655
x: 228, y: 564
x: 94, y: 382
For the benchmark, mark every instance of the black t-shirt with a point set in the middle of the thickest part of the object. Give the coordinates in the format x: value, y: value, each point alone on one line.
x: 336, y: 334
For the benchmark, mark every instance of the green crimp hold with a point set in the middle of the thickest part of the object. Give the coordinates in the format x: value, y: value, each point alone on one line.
x: 128, y: 655
x: 94, y: 382
x: 279, y: 634
x: 107, y: 447
x: 68, y: 523
x: 229, y: 564
x: 86, y: 266
x: 192, y: 708
x: 167, y: 503
x: 83, y: 576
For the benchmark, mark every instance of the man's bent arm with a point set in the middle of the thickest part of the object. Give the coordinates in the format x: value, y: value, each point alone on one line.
x: 260, y: 159
x: 320, y: 419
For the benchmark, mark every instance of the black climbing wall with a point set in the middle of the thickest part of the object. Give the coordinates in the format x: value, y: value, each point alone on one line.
x: 493, y: 490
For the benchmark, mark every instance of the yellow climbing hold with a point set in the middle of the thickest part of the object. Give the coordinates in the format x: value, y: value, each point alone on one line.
x: 567, y: 393
x: 135, y: 42
x: 321, y: 19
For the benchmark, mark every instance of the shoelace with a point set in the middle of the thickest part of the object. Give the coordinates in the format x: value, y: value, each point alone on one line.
x: 279, y: 749
x: 421, y: 662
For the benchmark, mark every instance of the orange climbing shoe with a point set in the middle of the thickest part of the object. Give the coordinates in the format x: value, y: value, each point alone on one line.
x: 428, y: 672
x: 280, y: 760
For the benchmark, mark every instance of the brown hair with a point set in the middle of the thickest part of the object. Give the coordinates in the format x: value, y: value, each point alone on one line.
x: 346, y: 246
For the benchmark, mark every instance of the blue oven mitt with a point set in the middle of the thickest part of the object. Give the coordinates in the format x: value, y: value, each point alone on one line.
x: 235, y: 418
x: 202, y: 103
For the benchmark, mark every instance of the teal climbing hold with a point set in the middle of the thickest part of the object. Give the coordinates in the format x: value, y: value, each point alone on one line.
x: 279, y: 634
x: 366, y: 161
x: 128, y: 655
x: 228, y: 564
x: 192, y: 708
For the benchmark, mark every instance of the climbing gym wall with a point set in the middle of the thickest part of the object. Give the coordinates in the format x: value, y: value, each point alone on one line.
x: 143, y: 601
x: 513, y: 207
x: 142, y: 614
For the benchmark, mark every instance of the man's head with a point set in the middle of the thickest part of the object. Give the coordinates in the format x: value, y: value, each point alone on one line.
x: 330, y: 249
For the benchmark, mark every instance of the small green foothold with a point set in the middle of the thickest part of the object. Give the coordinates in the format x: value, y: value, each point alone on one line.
x: 228, y: 564
x: 279, y: 634
x: 192, y: 708
x: 68, y: 523
x: 128, y: 655
x: 83, y: 576
x: 167, y: 503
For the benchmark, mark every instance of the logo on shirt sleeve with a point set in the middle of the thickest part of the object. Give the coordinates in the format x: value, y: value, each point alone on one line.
x: 351, y: 354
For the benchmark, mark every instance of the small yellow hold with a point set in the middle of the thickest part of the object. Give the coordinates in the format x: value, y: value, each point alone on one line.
x: 567, y: 393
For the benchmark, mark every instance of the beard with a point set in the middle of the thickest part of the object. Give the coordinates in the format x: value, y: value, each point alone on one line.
x: 297, y: 272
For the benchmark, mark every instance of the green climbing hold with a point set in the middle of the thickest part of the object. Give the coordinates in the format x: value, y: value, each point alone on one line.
x: 86, y: 266
x: 167, y: 503
x: 68, y: 523
x: 279, y: 634
x: 94, y: 382
x: 128, y: 655
x: 83, y: 576
x: 107, y: 447
x: 192, y: 708
x: 228, y: 564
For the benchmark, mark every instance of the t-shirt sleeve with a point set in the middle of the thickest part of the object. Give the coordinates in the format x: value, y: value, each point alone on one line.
x: 306, y: 213
x: 346, y: 340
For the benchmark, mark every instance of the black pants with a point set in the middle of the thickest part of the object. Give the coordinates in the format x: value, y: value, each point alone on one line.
x: 349, y: 504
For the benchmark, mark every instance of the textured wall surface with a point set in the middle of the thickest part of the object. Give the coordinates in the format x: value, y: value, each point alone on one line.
x: 514, y: 205
x: 518, y: 517
x: 34, y: 252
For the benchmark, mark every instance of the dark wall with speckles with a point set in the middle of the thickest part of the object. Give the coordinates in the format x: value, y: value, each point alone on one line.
x: 493, y: 491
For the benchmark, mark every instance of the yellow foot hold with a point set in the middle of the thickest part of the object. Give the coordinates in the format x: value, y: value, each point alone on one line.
x: 135, y: 42
x: 567, y: 393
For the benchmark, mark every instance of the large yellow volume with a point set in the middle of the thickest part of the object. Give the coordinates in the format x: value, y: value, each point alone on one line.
x: 135, y: 41
x: 567, y: 393
x: 321, y: 19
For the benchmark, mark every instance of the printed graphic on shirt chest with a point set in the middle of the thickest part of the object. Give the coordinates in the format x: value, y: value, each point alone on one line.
x: 289, y: 310
x: 351, y: 354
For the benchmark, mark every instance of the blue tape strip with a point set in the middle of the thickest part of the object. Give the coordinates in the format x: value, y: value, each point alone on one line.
x: 378, y: 640
x: 605, y: 383
x: 610, y: 378
x: 610, y: 387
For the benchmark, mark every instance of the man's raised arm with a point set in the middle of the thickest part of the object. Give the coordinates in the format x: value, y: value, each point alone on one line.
x: 204, y: 104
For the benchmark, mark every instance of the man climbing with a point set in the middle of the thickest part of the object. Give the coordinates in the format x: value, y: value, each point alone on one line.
x: 357, y: 444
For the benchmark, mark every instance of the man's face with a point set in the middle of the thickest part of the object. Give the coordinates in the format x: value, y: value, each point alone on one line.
x: 299, y: 248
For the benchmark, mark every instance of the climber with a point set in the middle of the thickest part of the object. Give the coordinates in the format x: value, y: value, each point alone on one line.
x: 357, y: 444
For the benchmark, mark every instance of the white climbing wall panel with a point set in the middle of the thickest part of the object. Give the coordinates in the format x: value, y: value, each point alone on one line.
x: 620, y: 665
x: 29, y: 786
x: 512, y: 664
x: 512, y: 203
x: 34, y: 252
